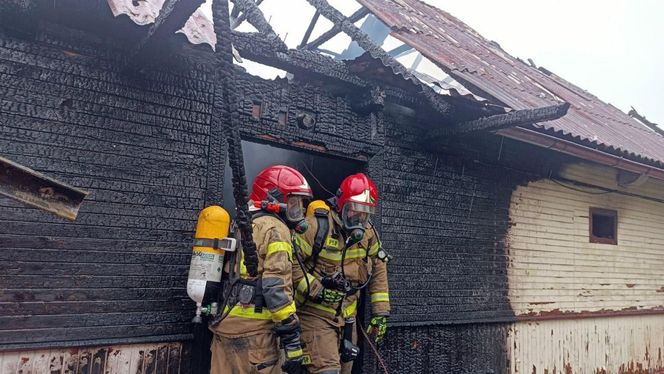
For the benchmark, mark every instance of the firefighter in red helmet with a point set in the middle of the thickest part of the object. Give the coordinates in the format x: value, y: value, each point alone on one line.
x: 340, y: 254
x: 249, y: 338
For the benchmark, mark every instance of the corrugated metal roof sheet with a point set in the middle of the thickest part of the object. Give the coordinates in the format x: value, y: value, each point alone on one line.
x: 488, y: 70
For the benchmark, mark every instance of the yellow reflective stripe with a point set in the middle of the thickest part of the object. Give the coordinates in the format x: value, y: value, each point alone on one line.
x: 303, y: 245
x: 352, y: 254
x: 275, y: 247
x: 302, y: 285
x: 243, y: 268
x: 335, y: 256
x: 284, y: 312
x: 249, y: 313
x: 349, y: 311
x: 374, y: 249
x: 297, y: 353
x: 379, y: 297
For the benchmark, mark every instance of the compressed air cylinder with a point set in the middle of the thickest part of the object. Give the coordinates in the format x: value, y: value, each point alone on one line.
x: 207, y: 259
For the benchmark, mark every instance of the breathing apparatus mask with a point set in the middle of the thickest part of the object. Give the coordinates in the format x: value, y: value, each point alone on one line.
x: 355, y: 219
x: 292, y: 211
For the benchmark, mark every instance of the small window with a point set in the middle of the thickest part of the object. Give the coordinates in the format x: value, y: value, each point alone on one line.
x: 603, y: 226
x: 257, y: 110
x: 283, y: 118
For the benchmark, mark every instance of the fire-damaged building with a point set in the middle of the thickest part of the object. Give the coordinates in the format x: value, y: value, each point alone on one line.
x: 524, y: 215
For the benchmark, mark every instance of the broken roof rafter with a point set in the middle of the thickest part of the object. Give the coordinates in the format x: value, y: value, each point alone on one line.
x: 336, y: 29
x: 256, y: 18
x: 502, y: 121
x: 310, y: 29
x: 363, y: 40
x: 238, y: 18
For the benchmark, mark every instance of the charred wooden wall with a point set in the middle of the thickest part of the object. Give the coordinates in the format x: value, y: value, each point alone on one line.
x: 445, y: 212
x: 139, y: 145
x: 142, y: 144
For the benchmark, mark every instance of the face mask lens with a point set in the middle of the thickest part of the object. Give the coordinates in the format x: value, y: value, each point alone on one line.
x: 295, y: 208
x: 356, y: 215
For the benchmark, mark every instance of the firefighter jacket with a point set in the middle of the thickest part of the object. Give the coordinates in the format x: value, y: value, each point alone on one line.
x: 360, y: 260
x: 275, y: 267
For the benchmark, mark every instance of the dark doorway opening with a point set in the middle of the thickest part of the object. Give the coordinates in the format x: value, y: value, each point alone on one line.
x: 324, y: 173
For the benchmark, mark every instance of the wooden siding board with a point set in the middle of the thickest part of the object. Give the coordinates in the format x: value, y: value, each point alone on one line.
x: 611, y: 345
x: 119, y: 359
x: 552, y: 265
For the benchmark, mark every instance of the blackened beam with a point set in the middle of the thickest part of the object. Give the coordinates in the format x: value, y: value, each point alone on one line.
x: 331, y: 33
x: 651, y: 125
x: 35, y: 189
x: 365, y: 42
x: 172, y: 17
x: 255, y: 18
x: 315, y: 65
x: 501, y: 121
x: 256, y: 48
x: 238, y: 19
x: 310, y: 28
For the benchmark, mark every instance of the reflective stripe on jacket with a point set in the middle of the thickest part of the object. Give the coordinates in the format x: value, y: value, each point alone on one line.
x: 359, y: 261
x: 275, y: 269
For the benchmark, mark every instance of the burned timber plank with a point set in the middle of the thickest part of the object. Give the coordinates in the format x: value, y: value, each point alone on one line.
x: 32, y: 188
x: 500, y: 121
x: 378, y: 53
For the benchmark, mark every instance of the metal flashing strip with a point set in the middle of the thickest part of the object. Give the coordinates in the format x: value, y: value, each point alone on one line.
x: 578, y: 150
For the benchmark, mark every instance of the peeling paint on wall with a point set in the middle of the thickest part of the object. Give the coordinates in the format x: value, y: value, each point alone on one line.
x: 161, y: 358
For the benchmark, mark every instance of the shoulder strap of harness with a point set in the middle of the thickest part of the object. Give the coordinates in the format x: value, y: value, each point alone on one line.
x: 321, y: 233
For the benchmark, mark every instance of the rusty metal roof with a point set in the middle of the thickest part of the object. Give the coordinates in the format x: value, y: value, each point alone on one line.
x: 485, y: 69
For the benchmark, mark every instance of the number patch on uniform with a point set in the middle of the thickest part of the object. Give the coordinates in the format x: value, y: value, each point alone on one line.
x: 332, y: 242
x: 306, y: 360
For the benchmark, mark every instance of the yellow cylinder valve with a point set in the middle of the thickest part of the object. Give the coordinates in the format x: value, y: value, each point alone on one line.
x: 315, y: 205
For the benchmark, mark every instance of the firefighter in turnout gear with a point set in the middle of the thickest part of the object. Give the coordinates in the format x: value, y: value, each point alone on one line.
x: 263, y: 321
x: 339, y: 255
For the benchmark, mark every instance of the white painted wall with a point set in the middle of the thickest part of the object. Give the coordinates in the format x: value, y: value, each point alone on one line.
x: 591, y: 345
x: 553, y: 269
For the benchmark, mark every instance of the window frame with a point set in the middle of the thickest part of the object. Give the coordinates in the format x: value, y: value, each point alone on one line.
x: 607, y: 213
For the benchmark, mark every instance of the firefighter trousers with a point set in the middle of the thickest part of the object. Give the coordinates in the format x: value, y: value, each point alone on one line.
x: 347, y: 367
x: 321, y: 345
x: 254, y: 354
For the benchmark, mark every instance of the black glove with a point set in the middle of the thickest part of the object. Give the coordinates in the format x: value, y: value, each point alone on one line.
x: 335, y: 282
x: 289, y: 335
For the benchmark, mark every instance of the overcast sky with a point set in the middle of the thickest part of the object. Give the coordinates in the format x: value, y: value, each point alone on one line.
x: 612, y: 48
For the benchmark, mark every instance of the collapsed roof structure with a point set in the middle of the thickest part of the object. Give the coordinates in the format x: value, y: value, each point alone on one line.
x: 139, y: 102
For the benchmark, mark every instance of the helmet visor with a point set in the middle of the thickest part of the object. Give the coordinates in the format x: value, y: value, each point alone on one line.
x: 295, y: 208
x: 355, y: 215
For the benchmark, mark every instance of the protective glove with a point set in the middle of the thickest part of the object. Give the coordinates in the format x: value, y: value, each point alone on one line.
x: 330, y: 296
x: 377, y: 328
x: 335, y: 282
x: 289, y: 335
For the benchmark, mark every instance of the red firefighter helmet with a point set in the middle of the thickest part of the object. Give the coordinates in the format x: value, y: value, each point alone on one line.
x: 357, y: 199
x: 281, y: 189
